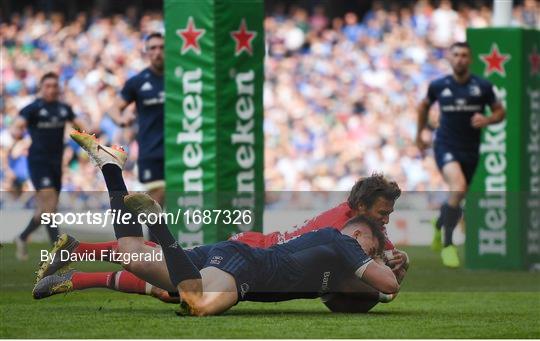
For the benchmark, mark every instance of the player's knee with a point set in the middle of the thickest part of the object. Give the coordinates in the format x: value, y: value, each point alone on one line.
x: 200, y: 310
x: 38, y: 213
x: 45, y: 206
x: 458, y: 183
x: 134, y: 267
x: 158, y: 194
x: 197, y: 305
x: 202, y: 305
x: 207, y: 308
x: 129, y: 245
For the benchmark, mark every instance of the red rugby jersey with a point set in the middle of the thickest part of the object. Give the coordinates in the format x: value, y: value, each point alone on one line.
x: 335, y: 217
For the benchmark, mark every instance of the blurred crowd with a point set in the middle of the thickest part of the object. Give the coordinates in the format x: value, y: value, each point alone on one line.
x: 339, y: 97
x: 94, y: 56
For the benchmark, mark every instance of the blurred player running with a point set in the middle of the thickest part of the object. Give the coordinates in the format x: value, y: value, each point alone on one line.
x: 211, y: 279
x: 146, y: 90
x: 462, y: 99
x: 45, y: 119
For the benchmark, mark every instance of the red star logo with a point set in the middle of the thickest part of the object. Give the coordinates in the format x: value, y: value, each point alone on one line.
x: 190, y: 37
x: 243, y: 39
x: 534, y: 60
x: 494, y: 61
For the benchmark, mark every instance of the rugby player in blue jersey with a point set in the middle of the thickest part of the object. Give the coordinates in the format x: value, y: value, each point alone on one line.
x: 44, y: 119
x: 211, y: 279
x: 463, y: 98
x: 147, y: 91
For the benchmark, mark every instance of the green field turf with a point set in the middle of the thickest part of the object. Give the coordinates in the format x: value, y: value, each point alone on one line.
x: 434, y: 303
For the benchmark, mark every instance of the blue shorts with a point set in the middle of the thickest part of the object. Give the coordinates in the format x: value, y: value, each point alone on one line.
x: 236, y: 259
x: 151, y: 170
x: 46, y: 174
x: 468, y: 160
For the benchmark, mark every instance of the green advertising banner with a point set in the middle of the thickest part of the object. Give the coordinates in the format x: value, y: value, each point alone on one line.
x: 531, y: 169
x: 213, y: 117
x: 502, y: 224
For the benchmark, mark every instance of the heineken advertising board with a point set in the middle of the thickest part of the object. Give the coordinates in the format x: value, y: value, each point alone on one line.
x: 213, y: 117
x: 503, y: 209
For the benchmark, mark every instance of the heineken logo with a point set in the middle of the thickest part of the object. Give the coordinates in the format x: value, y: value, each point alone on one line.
x: 492, y: 232
x: 243, y: 39
x: 191, y: 135
x: 494, y: 61
x: 214, y: 133
x: 190, y: 37
x: 243, y: 138
x: 534, y: 61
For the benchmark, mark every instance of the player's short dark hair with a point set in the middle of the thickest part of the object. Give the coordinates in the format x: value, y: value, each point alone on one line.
x: 366, y: 191
x: 48, y: 75
x: 153, y: 35
x: 374, y: 227
x: 461, y: 44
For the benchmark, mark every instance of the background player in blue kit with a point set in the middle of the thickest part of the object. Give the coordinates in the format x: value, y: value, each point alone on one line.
x: 462, y: 99
x: 45, y: 119
x: 146, y: 90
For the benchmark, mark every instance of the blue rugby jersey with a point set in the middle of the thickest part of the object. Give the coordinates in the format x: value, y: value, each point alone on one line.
x: 306, y: 267
x: 458, y: 103
x: 46, y: 122
x: 147, y: 91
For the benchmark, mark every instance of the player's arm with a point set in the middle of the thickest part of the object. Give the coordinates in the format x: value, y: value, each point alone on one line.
x: 423, y: 111
x: 396, y: 259
x: 79, y: 124
x: 497, y: 115
x: 379, y: 276
x: 497, y: 110
x: 399, y: 263
x: 423, y: 114
x: 18, y: 127
x: 116, y: 110
x: 371, y: 271
x: 75, y: 121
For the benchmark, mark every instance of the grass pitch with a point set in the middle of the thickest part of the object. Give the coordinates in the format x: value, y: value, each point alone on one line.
x: 434, y: 303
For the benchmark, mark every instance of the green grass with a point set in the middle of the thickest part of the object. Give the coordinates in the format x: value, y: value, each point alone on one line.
x: 434, y: 303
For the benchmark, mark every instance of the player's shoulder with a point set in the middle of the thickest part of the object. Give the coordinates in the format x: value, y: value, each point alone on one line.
x: 441, y: 81
x: 439, y: 86
x: 32, y: 106
x: 475, y: 79
x: 64, y: 105
x: 36, y: 103
x: 65, y: 110
x: 139, y: 77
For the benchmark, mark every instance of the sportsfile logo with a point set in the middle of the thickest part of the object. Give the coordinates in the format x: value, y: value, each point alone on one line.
x: 492, y: 234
